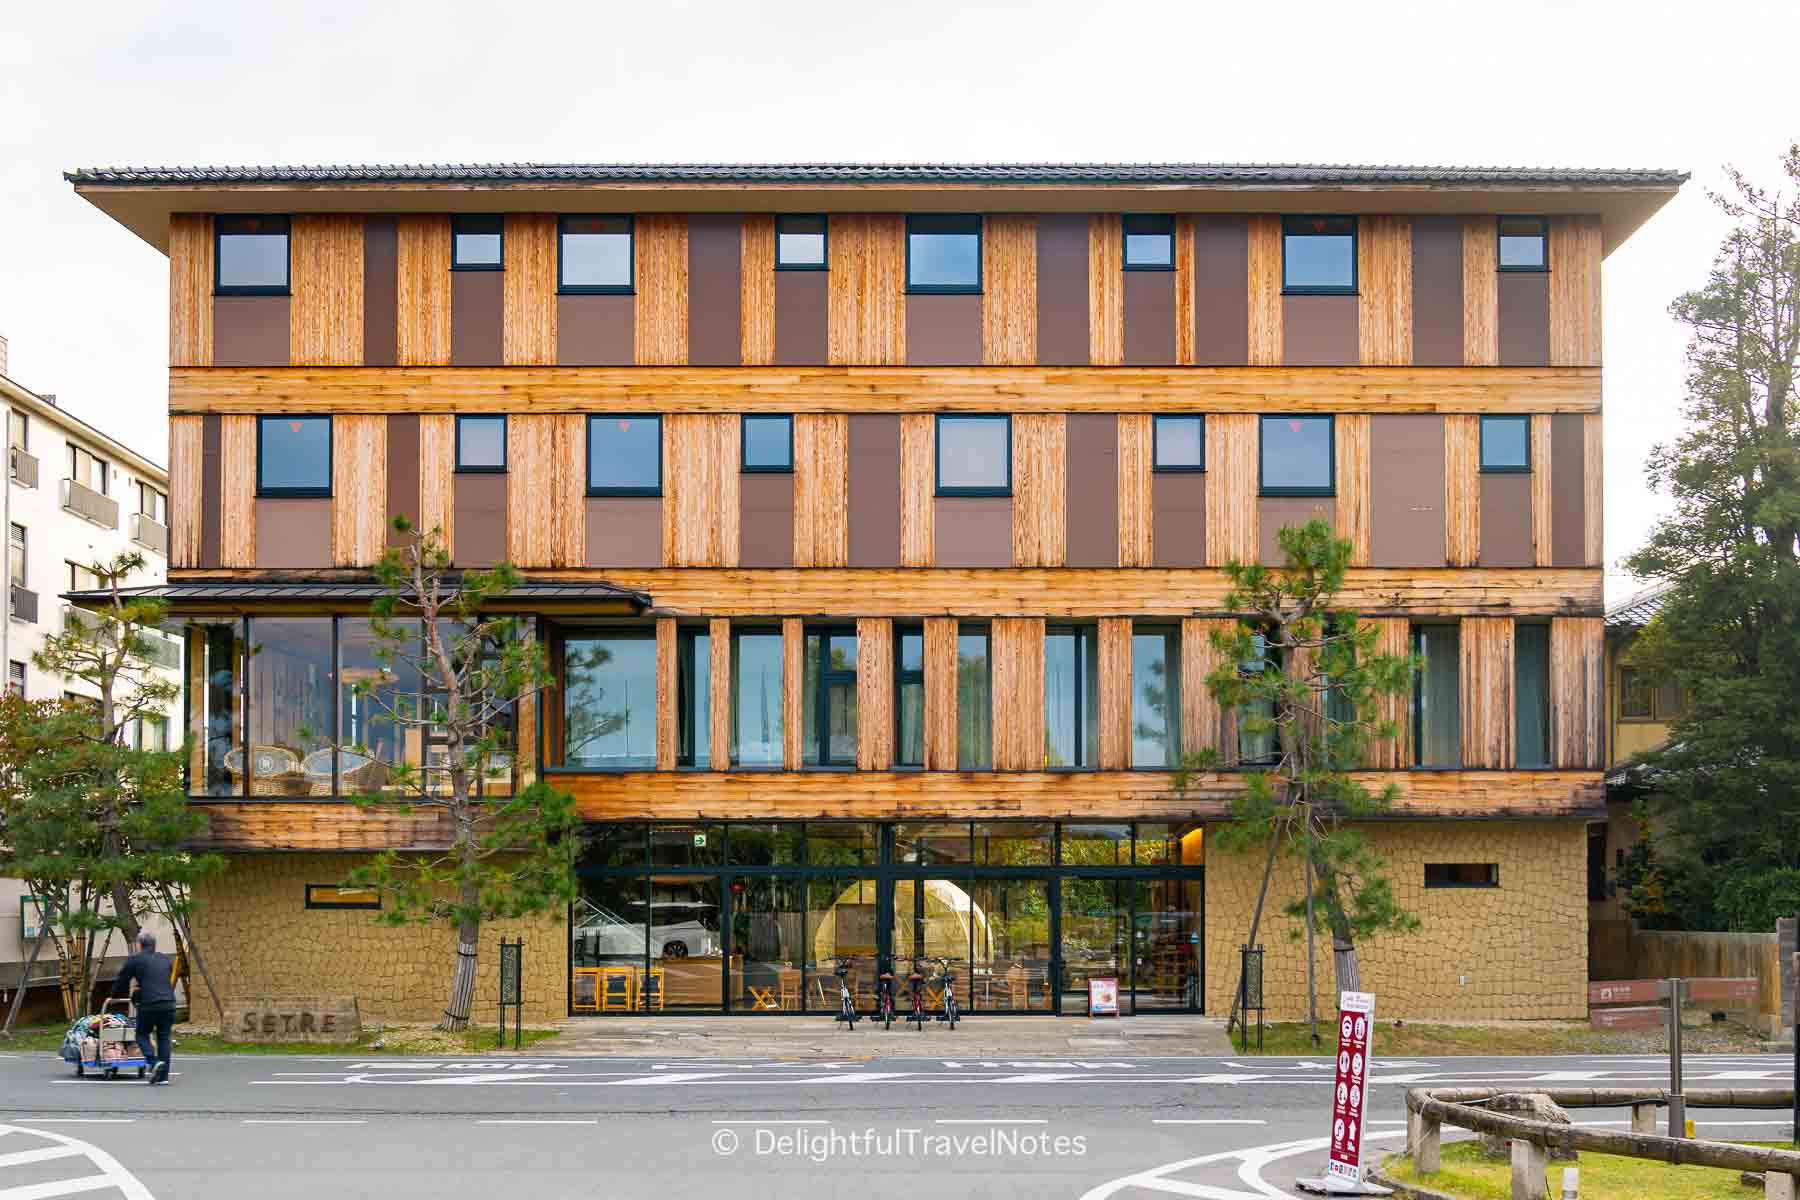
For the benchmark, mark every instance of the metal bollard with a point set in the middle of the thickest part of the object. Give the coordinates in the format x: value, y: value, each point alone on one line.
x: 1677, y: 1102
x: 1571, y: 1183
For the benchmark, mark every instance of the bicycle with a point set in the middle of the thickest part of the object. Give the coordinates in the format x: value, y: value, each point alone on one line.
x: 884, y: 997
x: 846, y: 1002
x: 915, y: 981
x: 948, y: 979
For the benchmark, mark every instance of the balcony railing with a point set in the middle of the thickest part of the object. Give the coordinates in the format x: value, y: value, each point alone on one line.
x: 90, y: 505
x: 24, y: 605
x: 24, y: 468
x: 150, y: 533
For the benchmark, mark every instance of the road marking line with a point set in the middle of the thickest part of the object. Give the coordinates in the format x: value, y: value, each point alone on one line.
x: 990, y: 1121
x: 546, y: 1121
x: 112, y: 1174
x: 62, y: 1187
x: 271, y: 1121
x: 82, y: 1120
x: 771, y: 1122
x: 40, y: 1154
x: 1201, y: 1121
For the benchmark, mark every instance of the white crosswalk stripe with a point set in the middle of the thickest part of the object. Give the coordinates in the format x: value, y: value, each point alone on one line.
x: 102, y: 1172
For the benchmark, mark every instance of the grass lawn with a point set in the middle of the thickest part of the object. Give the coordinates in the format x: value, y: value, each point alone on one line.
x: 1412, y: 1040
x: 1468, y: 1175
x: 395, y: 1041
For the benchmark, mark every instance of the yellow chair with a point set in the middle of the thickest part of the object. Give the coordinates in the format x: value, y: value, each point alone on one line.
x: 590, y: 1002
x: 650, y: 988
x: 617, y: 989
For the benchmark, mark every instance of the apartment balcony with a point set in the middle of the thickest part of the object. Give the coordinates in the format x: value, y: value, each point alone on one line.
x: 90, y: 505
x: 24, y: 605
x: 150, y: 533
x: 24, y: 468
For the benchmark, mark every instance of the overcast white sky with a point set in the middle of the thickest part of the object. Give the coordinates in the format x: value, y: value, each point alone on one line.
x: 1631, y: 83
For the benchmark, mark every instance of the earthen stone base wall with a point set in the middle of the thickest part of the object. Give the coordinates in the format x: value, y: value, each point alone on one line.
x: 1522, y: 945
x: 259, y: 938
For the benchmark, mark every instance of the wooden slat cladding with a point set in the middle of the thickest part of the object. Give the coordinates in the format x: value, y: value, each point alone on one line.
x: 940, y: 693
x: 1115, y: 693
x: 546, y: 517
x: 1353, y: 485
x: 1106, y: 290
x: 1594, y: 483
x: 756, y: 311
x: 1204, y: 724
x: 1543, y: 485
x: 528, y: 294
x: 1040, y: 456
x: 358, y: 489
x: 1487, y: 692
x: 1009, y: 283
x: 186, y: 498
x: 918, y: 484
x: 1018, y: 690
x: 793, y: 692
x: 719, y: 682
x: 325, y: 318
x: 1481, y: 292
x: 422, y: 337
x: 1185, y: 282
x: 1395, y: 638
x: 1384, y: 281
x: 237, y: 499
x: 866, y: 301
x: 1136, y: 546
x: 1577, y: 692
x: 437, y: 466
x: 668, y: 694
x: 1462, y: 494
x: 821, y: 490
x: 1266, y: 335
x: 700, y: 510
x: 660, y: 334
x: 874, y: 694
x: 190, y: 290
x: 1575, y: 291
x: 1231, y: 486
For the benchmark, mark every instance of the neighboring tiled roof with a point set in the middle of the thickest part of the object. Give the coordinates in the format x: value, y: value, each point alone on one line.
x: 1272, y: 174
x: 1634, y: 612
x: 236, y: 591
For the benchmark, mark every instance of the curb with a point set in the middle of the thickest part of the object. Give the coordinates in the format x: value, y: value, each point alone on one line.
x: 1410, y: 1190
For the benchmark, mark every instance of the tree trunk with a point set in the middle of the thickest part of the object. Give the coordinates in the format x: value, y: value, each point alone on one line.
x: 1262, y: 894
x: 1312, y: 973
x: 184, y: 936
x: 462, y: 983
x: 12, y: 1014
x: 123, y: 910
x: 1343, y: 954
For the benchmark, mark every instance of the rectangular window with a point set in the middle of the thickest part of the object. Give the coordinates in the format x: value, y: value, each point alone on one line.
x: 1155, y: 698
x: 756, y: 714
x: 609, y: 701
x: 15, y: 678
x: 1071, y: 698
x: 250, y: 256
x: 943, y: 253
x: 594, y: 254
x: 624, y: 456
x: 909, y: 697
x: 1463, y: 875
x: 1299, y: 456
x: 1257, y: 745
x: 83, y: 579
x: 974, y: 455
x: 974, y: 700
x: 477, y: 242
x: 800, y: 243
x: 293, y: 456
x: 153, y: 503
x: 481, y: 443
x: 1636, y: 696
x: 1437, y: 697
x: 693, y: 701
x: 18, y: 429
x: 1505, y: 444
x: 828, y: 738
x: 15, y: 541
x: 1531, y: 694
x: 1149, y: 242
x: 331, y: 895
x: 1318, y: 256
x: 88, y: 469
x: 1671, y: 701
x: 293, y: 701
x: 152, y: 733
x: 768, y: 443
x: 1180, y: 443
x: 1524, y: 243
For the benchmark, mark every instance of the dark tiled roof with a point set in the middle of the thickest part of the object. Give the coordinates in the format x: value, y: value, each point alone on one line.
x: 1270, y: 174
x: 1634, y: 612
x: 235, y: 591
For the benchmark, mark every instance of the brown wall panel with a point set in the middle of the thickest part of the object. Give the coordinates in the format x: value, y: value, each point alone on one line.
x: 381, y: 296
x: 1136, y: 536
x: 866, y: 309
x: 477, y: 317
x: 1115, y: 693
x: 767, y: 520
x: 212, y: 488
x: 1018, y: 688
x: 1406, y: 490
x: 1179, y: 517
x: 1568, y: 497
x: 1594, y: 489
x: 1462, y: 489
x: 293, y: 534
x: 187, y: 472
x: 546, y: 459
x: 700, y: 490
x: 821, y: 490
x: 595, y: 331
x: 1505, y: 521
x: 1262, y: 262
x: 874, y: 490
x: 1273, y: 512
x: 1437, y: 291
x: 1092, y: 501
x: 802, y: 304
x: 1009, y: 290
x: 1354, y: 498
x: 756, y: 302
x: 237, y: 493
x: 250, y: 331
x: 940, y: 693
x: 1481, y: 292
x: 918, y: 487
x: 403, y: 466
x: 1486, y: 681
x: 1062, y: 290
x: 1575, y: 251
x: 1319, y: 331
x: 1040, y: 504
x: 943, y: 331
x: 623, y: 531
x: 326, y: 315
x: 423, y: 303
x: 528, y: 291
x: 715, y: 284
x: 437, y: 462
x: 1149, y: 317
x: 358, y: 489
x: 1106, y: 290
x: 1524, y: 318
x: 478, y: 527
x: 972, y: 531
x: 1577, y: 691
x: 190, y: 290
x: 1221, y: 290
x: 661, y: 253
x: 1231, y: 487
x: 1384, y: 284
x: 874, y: 694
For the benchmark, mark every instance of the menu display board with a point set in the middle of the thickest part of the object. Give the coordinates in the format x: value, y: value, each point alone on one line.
x: 1356, y: 1027
x: 1103, y: 997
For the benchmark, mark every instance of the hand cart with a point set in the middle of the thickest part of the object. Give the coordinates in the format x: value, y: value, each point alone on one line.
x: 119, y: 1035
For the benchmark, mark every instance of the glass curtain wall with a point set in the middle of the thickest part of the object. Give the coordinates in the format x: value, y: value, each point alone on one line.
x: 1155, y: 698
x: 756, y: 713
x: 974, y: 700
x: 1437, y: 697
x: 828, y: 705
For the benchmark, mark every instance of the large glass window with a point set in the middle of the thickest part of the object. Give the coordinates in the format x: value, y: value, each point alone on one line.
x: 943, y: 253
x: 1149, y: 242
x: 687, y: 957
x: 475, y: 242
x: 938, y: 843
x: 768, y: 942
x: 974, y: 701
x: 756, y: 667
x: 1636, y: 695
x: 829, y: 704
x: 1168, y: 950
x: 1298, y: 456
x: 1531, y: 694
x: 88, y: 469
x: 292, y: 702
x: 800, y: 243
x: 693, y: 683
x: 775, y: 844
x: 1071, y: 698
x: 1437, y: 698
x: 974, y: 456
x: 250, y: 256
x: 1171, y: 845
x: 1096, y: 938
x: 609, y: 701
x: 909, y: 697
x: 624, y: 456
x: 840, y: 923
x: 293, y: 456
x: 1011, y: 967
x: 1506, y: 443
x: 481, y: 442
x: 1180, y: 443
x: 216, y: 708
x: 1015, y: 843
x: 1096, y: 845
x: 769, y: 442
x: 594, y: 254
x: 1318, y: 255
x: 1155, y: 698
x: 1524, y: 243
x: 375, y: 700
x: 842, y: 844
x: 1258, y: 743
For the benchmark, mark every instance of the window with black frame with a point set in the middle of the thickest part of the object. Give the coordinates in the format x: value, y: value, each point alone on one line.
x: 1531, y: 694
x: 609, y: 700
x: 693, y: 702
x: 293, y: 456
x: 595, y: 255
x: 943, y: 252
x: 1437, y: 696
x: 974, y: 699
x: 1178, y: 442
x: 768, y: 442
x: 1298, y: 456
x: 1155, y: 697
x: 909, y: 696
x: 1524, y: 243
x: 756, y: 698
x: 1149, y: 241
x: 1071, y: 697
x: 624, y: 455
x: 828, y: 709
x: 1259, y: 743
x: 481, y: 443
x: 801, y: 242
x: 1505, y: 444
x: 1318, y: 256
x: 974, y: 455
x: 250, y: 256
x: 476, y: 242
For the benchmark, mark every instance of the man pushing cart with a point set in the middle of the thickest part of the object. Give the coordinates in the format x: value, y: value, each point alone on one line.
x: 154, y: 975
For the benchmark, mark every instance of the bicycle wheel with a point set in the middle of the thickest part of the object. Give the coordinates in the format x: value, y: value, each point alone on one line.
x: 950, y: 1010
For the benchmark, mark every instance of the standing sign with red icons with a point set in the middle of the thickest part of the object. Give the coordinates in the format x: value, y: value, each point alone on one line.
x: 1356, y: 1025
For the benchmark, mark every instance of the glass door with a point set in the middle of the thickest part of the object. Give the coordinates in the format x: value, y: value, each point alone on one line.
x: 687, y: 952
x: 1169, y: 957
x: 768, y: 944
x: 1010, y: 970
x: 1095, y: 939
x: 840, y: 923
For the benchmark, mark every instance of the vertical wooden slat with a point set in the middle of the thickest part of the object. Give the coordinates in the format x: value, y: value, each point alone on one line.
x: 237, y: 500
x: 821, y: 490
x: 660, y: 332
x: 874, y: 694
x: 1389, y: 754
x: 667, y: 694
x: 1040, y: 455
x: 525, y: 745
x: 437, y: 467
x: 1201, y: 717
x: 1185, y: 279
x: 940, y: 693
x: 1106, y: 290
x: 546, y: 512
x: 190, y: 290
x: 325, y: 314
x: 1593, y: 482
x: 1487, y: 692
x: 1384, y: 291
x: 918, y: 484
x: 1009, y: 290
x: 1231, y: 485
x: 528, y: 291
x: 185, y: 499
x: 1265, y: 291
x: 1353, y: 486
x: 197, y: 731
x: 700, y: 497
x: 1481, y: 292
x: 756, y: 311
x: 1136, y: 545
x: 1018, y: 686
x: 1577, y: 696
x: 1462, y: 489
x: 422, y: 251
x: 358, y: 489
x: 1575, y: 291
x: 793, y: 691
x: 719, y: 702
x: 1115, y: 693
x: 866, y: 290
x: 1543, y: 485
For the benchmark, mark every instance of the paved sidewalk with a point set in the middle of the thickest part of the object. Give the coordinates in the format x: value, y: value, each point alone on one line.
x: 821, y: 1037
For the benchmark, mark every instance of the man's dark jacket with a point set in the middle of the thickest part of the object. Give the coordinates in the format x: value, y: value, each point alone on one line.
x: 154, y: 974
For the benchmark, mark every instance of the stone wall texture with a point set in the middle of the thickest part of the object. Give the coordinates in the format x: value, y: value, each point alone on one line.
x: 259, y: 938
x: 1522, y: 945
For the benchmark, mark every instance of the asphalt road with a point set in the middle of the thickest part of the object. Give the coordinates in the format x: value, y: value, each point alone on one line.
x: 274, y: 1127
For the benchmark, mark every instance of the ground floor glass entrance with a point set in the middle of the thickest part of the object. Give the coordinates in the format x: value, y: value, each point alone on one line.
x: 754, y: 917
